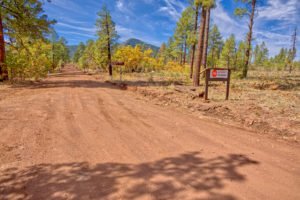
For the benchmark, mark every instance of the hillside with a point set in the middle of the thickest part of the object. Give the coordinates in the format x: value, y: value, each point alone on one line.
x: 133, y: 42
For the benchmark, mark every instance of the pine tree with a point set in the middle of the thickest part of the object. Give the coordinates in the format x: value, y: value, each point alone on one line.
x: 162, y: 53
x: 256, y: 53
x: 292, y: 51
x: 18, y: 20
x: 228, y: 53
x: 87, y: 60
x: 215, y: 45
x: 261, y: 54
x: 183, y: 29
x: 280, y: 60
x: 248, y: 10
x: 197, y: 68
x: 241, y: 55
x: 60, y: 51
x: 211, y: 4
x: 107, y: 34
x: 193, y: 39
x: 79, y: 52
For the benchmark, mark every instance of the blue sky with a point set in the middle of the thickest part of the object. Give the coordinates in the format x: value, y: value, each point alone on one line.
x: 154, y: 21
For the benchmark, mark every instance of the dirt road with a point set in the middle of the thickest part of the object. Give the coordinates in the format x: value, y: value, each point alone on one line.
x: 72, y: 137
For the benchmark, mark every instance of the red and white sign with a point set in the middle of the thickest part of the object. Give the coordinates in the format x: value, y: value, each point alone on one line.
x: 219, y: 73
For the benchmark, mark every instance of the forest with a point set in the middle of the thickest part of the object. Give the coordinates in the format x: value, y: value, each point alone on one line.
x: 30, y: 47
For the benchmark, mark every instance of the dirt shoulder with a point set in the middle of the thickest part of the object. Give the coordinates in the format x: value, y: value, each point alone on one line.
x: 262, y: 106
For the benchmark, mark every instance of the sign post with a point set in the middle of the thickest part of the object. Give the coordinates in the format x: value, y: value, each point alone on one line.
x: 120, y: 64
x: 217, y: 74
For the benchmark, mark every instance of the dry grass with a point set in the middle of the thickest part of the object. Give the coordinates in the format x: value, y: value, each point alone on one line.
x: 267, y: 102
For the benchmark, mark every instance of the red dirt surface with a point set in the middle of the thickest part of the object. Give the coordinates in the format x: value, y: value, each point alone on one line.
x: 73, y: 137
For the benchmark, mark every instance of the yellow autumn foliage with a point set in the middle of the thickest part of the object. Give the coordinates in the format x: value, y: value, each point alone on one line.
x: 32, y: 61
x: 172, y: 66
x: 136, y: 59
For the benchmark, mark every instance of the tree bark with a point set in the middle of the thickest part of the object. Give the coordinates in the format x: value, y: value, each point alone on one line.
x: 213, y: 56
x: 228, y: 62
x: 194, y: 45
x: 184, y: 52
x: 235, y: 59
x: 197, y: 67
x: 206, y: 37
x: 181, y: 54
x: 3, y: 70
x: 249, y: 40
x: 110, y: 70
x: 109, y: 59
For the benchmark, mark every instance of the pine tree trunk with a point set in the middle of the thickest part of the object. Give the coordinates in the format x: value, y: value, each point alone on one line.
x: 3, y: 70
x: 206, y: 37
x: 213, y: 57
x: 194, y: 45
x: 235, y: 59
x: 109, y: 59
x: 197, y: 67
x: 110, y: 70
x: 228, y: 62
x: 184, y: 54
x: 249, y: 40
x: 53, y: 64
x: 181, y: 54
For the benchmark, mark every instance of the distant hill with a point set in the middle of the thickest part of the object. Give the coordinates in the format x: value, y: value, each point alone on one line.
x: 72, y: 50
x: 133, y: 42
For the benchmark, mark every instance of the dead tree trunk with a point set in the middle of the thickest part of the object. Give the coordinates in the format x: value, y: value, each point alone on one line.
x: 293, y: 51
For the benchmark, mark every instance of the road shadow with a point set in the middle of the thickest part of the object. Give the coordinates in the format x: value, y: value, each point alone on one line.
x: 50, y: 84
x: 187, y: 176
x: 78, y: 83
x: 72, y: 78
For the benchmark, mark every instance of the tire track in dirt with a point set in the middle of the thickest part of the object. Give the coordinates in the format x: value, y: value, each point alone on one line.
x: 108, y: 118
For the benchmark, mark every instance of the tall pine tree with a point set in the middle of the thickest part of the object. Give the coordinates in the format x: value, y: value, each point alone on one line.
x: 107, y: 34
x: 249, y: 9
x: 215, y: 45
x: 228, y: 53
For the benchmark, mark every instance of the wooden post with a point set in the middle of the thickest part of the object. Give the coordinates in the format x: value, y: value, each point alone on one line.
x: 228, y: 85
x: 206, y: 84
x: 120, y: 64
x: 121, y: 73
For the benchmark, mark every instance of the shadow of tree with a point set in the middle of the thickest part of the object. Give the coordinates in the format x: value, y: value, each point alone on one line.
x: 187, y: 176
x: 77, y: 81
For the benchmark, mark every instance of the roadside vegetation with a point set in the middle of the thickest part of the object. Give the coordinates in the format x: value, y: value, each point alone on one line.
x: 29, y: 46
